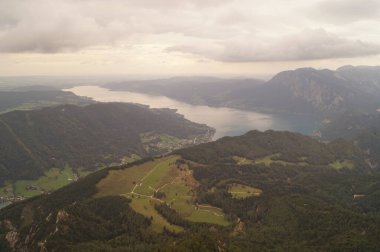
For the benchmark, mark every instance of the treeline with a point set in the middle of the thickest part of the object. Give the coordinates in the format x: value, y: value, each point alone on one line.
x: 171, y: 215
x: 90, y: 137
x: 37, y: 98
x: 292, y: 147
x: 363, y: 129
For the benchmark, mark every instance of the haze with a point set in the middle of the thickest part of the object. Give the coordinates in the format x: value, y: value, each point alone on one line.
x: 171, y: 37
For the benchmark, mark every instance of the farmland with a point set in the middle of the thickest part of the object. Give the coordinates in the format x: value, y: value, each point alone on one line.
x: 156, y: 182
x: 340, y: 164
x: 240, y: 191
x: 52, y: 180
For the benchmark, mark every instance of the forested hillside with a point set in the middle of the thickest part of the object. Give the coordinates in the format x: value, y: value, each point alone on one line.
x: 88, y: 137
x: 34, y: 97
x: 264, y: 191
x: 363, y: 129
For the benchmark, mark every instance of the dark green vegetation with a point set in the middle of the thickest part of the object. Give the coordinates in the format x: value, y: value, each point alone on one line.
x: 32, y: 98
x: 87, y: 137
x: 304, y: 204
x: 363, y: 129
x: 318, y: 93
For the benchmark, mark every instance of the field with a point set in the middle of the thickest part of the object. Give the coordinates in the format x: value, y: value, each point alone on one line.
x: 240, y: 191
x: 145, y: 206
x: 267, y: 161
x: 208, y: 214
x: 273, y: 159
x: 156, y: 182
x: 53, y: 179
x: 340, y: 164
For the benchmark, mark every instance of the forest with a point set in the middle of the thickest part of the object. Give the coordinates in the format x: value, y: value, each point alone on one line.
x: 305, y: 203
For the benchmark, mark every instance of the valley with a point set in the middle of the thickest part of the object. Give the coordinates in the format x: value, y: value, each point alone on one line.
x: 226, y: 121
x: 189, y: 126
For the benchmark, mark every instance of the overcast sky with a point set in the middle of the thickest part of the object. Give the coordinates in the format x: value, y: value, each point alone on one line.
x: 185, y: 37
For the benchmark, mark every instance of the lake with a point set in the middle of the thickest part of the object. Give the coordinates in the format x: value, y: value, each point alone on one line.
x: 226, y: 121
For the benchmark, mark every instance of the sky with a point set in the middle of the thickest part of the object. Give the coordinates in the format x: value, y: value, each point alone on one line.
x: 185, y: 37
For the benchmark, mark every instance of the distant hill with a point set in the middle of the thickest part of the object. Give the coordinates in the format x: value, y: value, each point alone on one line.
x: 28, y: 98
x: 88, y: 137
x: 363, y: 129
x: 319, y: 93
x: 365, y: 78
x: 263, y: 191
x: 194, y: 90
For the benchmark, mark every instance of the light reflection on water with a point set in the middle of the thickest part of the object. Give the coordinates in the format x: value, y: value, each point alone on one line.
x: 226, y: 121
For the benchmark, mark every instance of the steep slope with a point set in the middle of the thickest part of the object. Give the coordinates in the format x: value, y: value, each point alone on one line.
x: 275, y: 190
x: 310, y: 91
x: 365, y: 78
x: 31, y: 142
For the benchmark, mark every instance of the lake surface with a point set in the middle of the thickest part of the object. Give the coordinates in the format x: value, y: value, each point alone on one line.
x: 226, y: 121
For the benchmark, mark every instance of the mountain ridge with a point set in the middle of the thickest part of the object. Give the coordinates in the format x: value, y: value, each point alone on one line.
x: 319, y: 93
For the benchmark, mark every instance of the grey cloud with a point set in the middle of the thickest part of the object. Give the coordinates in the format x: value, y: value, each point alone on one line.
x: 218, y: 29
x: 46, y: 26
x: 343, y: 11
x: 307, y: 45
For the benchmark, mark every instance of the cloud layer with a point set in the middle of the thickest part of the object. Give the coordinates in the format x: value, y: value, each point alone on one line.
x: 307, y: 45
x: 222, y: 30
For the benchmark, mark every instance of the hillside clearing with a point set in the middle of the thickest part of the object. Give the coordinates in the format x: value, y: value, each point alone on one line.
x: 156, y: 182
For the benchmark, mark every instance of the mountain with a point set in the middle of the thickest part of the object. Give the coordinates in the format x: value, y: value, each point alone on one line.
x: 209, y: 91
x: 263, y: 191
x: 89, y: 137
x: 318, y: 93
x: 312, y: 91
x: 37, y: 97
x: 367, y: 78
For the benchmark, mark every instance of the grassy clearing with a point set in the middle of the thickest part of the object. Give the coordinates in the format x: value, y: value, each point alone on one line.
x: 267, y: 161
x: 242, y: 160
x: 176, y: 184
x: 145, y: 206
x: 340, y: 164
x: 208, y: 215
x: 154, y: 179
x: 120, y: 182
x: 53, y: 180
x: 240, y: 191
